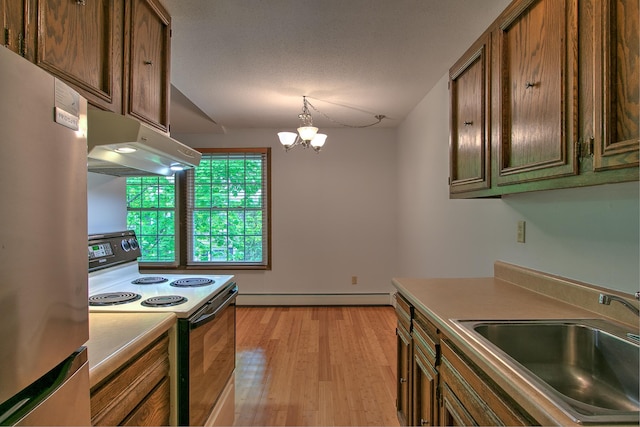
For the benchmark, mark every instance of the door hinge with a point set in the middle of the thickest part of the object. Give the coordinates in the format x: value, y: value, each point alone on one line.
x: 584, y: 148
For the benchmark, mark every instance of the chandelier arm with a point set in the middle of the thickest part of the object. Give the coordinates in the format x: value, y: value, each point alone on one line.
x: 379, y: 117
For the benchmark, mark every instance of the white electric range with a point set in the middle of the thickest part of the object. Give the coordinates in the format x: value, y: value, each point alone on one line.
x: 205, y: 328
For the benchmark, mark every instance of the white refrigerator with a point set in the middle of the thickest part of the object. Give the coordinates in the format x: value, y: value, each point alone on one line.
x: 44, y: 377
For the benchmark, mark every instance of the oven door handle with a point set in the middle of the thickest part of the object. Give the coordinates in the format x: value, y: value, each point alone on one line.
x: 210, y: 313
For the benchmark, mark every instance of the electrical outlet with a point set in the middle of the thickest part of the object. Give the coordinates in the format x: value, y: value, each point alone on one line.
x: 354, y: 280
x: 521, y: 231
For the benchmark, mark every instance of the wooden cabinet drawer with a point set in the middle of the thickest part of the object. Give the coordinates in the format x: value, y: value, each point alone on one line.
x: 480, y: 398
x: 119, y: 395
x: 404, y: 311
x: 427, y: 345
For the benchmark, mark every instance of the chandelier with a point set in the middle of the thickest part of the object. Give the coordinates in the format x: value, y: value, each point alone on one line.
x: 308, y: 135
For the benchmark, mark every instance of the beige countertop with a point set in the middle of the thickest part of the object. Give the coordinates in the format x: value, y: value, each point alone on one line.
x: 491, y: 298
x: 116, y: 337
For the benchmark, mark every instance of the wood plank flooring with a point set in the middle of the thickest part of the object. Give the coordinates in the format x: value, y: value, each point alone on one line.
x: 315, y: 366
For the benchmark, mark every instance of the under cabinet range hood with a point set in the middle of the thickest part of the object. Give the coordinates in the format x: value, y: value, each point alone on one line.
x: 123, y: 146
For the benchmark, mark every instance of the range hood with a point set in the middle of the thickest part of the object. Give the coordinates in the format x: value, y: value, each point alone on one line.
x: 123, y: 146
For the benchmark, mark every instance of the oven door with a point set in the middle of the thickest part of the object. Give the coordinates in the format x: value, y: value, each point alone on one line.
x: 206, y: 356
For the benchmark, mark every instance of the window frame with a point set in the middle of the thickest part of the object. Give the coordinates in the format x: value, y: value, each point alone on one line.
x: 183, y: 240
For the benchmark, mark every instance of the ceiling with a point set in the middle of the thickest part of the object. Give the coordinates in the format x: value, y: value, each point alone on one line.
x: 247, y: 63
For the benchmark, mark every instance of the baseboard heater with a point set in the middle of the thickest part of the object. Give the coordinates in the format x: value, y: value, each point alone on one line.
x: 315, y: 299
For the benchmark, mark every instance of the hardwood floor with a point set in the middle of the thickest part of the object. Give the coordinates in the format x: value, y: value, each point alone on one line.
x: 315, y: 366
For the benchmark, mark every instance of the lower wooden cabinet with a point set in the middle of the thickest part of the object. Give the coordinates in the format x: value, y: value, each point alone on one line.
x: 138, y: 393
x: 438, y: 386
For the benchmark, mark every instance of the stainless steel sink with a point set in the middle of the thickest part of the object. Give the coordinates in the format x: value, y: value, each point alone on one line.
x: 589, y: 368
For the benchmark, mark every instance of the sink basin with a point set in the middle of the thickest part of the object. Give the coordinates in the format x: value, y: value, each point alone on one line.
x: 588, y: 368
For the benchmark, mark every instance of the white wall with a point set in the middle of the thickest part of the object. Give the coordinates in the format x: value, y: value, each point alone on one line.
x: 333, y: 213
x: 590, y: 234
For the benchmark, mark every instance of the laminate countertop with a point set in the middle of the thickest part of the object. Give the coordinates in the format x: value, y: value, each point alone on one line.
x: 114, y: 338
x: 444, y: 301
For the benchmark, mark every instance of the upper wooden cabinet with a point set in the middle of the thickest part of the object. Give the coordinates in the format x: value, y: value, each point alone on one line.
x: 115, y: 53
x: 148, y: 54
x: 81, y: 43
x: 538, y: 58
x: 13, y: 19
x: 617, y: 89
x: 561, y: 100
x: 469, y: 114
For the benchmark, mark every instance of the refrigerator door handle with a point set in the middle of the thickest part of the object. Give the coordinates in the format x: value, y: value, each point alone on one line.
x: 22, y: 403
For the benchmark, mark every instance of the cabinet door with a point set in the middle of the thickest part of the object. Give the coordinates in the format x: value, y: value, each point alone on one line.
x: 149, y: 28
x: 453, y: 412
x: 469, y: 114
x: 78, y: 42
x: 425, y: 383
x: 403, y: 401
x: 537, y: 48
x: 153, y: 410
x: 13, y: 19
x: 617, y: 91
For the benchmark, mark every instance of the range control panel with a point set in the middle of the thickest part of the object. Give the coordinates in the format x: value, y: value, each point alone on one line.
x: 107, y: 250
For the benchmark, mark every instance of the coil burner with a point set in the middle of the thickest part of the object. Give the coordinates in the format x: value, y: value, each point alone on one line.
x: 191, y: 282
x: 113, y: 298
x: 164, y: 301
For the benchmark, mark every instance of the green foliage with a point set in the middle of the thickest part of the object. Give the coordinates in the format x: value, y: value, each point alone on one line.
x: 226, y: 205
x: 228, y: 209
x: 151, y: 214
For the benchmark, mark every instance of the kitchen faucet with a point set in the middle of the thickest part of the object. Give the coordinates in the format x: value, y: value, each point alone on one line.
x: 606, y: 300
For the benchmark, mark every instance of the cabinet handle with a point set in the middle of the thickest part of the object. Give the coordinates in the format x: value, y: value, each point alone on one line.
x: 22, y: 50
x: 81, y: 2
x: 529, y: 85
x: 424, y: 422
x: 467, y: 123
x: 403, y: 380
x: 147, y: 62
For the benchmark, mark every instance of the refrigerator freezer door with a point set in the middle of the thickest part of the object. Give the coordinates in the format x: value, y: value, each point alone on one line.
x: 43, y: 223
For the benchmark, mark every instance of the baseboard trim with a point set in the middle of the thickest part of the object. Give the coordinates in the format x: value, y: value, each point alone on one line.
x: 315, y: 299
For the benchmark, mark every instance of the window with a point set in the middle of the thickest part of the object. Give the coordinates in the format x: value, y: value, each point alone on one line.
x: 226, y: 212
x: 151, y: 213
